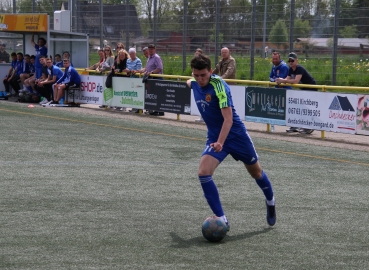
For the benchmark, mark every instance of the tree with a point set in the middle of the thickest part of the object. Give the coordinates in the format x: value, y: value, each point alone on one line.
x: 6, y: 6
x: 349, y: 31
x: 279, y: 34
x: 302, y: 28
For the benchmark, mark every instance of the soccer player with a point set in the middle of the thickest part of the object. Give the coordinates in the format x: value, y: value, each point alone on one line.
x: 226, y: 135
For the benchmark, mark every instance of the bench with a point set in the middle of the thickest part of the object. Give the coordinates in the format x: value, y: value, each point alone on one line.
x: 70, y: 93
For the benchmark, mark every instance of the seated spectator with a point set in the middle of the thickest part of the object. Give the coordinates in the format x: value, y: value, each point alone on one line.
x: 134, y: 63
x: 66, y: 55
x: 26, y: 74
x: 45, y: 87
x: 9, y: 77
x: 98, y: 64
x: 109, y: 60
x: 57, y: 58
x: 19, y: 69
x: 4, y: 55
x: 70, y: 79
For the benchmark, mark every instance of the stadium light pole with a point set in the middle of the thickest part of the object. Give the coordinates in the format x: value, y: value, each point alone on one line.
x: 264, y: 31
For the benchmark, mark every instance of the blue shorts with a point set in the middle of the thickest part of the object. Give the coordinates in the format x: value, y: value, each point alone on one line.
x: 240, y: 147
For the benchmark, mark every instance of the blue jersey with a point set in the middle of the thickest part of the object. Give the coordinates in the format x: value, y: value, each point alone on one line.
x: 31, y: 68
x: 21, y: 67
x: 39, y: 52
x: 70, y: 76
x: 55, y: 71
x: 279, y: 71
x: 210, y: 100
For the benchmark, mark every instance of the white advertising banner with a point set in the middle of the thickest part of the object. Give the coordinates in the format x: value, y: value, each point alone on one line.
x: 321, y: 111
x: 91, y: 90
x: 128, y: 92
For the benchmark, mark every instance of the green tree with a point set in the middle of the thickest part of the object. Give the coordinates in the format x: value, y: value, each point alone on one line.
x: 278, y: 34
x: 6, y: 6
x: 302, y: 29
x: 349, y: 31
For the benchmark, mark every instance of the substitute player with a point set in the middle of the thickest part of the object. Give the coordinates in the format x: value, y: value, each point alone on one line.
x: 226, y: 135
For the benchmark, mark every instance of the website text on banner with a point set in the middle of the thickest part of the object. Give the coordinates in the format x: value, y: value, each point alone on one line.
x: 321, y: 111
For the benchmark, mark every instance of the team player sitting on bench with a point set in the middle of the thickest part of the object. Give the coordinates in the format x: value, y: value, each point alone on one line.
x: 70, y: 79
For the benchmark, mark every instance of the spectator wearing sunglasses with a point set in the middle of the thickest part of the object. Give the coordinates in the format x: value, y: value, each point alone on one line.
x: 120, y: 46
x: 297, y: 75
x: 109, y: 60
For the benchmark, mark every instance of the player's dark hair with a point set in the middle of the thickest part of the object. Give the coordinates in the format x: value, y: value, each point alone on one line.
x: 13, y: 54
x: 43, y: 40
x: 201, y: 61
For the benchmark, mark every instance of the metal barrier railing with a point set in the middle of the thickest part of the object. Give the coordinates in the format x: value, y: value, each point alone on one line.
x: 247, y: 82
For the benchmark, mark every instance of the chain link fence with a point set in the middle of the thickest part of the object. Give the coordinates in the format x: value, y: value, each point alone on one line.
x: 331, y: 38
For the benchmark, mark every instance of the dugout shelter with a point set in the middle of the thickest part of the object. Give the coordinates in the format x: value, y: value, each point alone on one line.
x: 16, y: 31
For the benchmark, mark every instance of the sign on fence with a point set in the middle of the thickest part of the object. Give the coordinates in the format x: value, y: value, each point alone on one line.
x: 168, y: 96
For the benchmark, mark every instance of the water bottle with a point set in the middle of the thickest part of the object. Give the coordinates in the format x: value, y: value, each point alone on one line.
x: 272, y: 127
x: 61, y: 101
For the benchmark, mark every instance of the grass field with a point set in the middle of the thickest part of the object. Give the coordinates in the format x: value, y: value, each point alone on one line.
x: 81, y: 191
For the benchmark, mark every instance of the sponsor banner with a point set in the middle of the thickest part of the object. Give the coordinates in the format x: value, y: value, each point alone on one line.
x: 91, y: 90
x: 23, y: 22
x: 362, y: 119
x: 168, y: 96
x: 265, y: 105
x: 321, y: 111
x: 128, y: 92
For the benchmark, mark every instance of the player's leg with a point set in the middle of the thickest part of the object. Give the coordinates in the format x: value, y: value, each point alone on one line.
x: 265, y: 185
x: 208, y: 164
x: 242, y: 148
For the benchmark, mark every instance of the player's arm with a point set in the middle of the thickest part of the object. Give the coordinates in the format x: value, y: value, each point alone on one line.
x: 189, y: 83
x: 32, y: 40
x: 226, y: 127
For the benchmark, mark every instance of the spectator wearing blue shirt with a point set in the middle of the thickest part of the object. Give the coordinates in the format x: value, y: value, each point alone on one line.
x: 20, y: 68
x: 279, y: 70
x: 66, y: 55
x: 41, y: 49
x: 134, y: 63
x: 9, y: 77
x: 45, y: 87
x: 27, y: 73
x: 70, y: 79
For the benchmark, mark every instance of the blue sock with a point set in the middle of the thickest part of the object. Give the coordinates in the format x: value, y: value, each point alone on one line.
x: 30, y: 89
x: 211, y: 194
x: 265, y: 186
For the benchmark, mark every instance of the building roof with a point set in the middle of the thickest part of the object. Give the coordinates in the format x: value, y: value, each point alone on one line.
x: 342, y: 42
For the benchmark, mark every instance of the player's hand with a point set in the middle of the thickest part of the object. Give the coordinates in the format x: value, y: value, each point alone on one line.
x: 216, y: 146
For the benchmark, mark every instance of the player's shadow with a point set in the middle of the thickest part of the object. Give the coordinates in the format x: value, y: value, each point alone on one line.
x: 196, y: 241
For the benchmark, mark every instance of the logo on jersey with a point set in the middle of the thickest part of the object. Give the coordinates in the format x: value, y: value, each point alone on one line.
x: 208, y: 97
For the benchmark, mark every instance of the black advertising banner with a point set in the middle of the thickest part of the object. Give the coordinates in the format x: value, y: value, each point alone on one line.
x: 266, y: 105
x: 167, y: 96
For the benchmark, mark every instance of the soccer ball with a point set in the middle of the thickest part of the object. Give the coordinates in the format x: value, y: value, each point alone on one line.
x: 214, y: 229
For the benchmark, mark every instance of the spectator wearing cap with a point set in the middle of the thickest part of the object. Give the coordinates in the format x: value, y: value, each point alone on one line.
x: 154, y: 66
x: 4, y: 55
x: 154, y: 63
x: 297, y: 74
